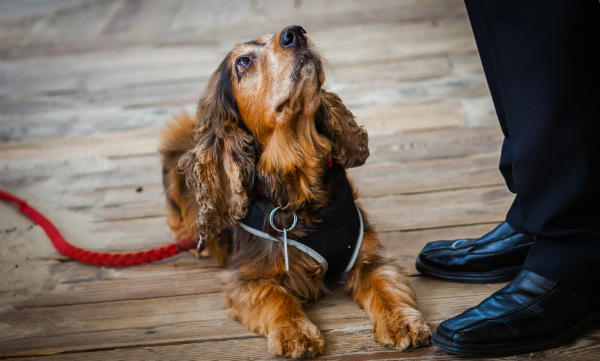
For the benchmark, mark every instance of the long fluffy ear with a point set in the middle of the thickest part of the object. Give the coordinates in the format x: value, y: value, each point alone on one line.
x: 221, y: 167
x: 350, y: 142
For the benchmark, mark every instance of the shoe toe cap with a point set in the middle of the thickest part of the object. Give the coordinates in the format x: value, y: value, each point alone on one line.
x: 446, y: 330
x: 436, y: 246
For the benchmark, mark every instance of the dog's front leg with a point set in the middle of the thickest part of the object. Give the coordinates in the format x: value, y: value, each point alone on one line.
x: 267, y: 308
x: 381, y: 288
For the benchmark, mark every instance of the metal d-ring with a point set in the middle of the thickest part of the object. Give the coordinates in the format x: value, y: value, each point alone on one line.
x: 284, y: 231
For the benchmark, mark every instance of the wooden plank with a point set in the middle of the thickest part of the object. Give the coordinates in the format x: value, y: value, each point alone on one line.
x: 100, y: 181
x: 48, y: 283
x: 435, y: 144
x: 115, y: 144
x: 139, y: 226
x: 229, y: 20
x: 386, y: 120
x: 427, y: 175
x: 399, y: 69
x: 479, y: 111
x: 419, y: 38
x: 59, y: 28
x: 29, y: 283
x: 339, y: 346
x: 86, y: 173
x: 194, y: 318
x: 110, y: 182
x: 99, y: 186
x: 187, y: 89
x: 438, y: 209
x: 393, y: 148
x: 184, y: 92
x: 69, y: 74
x: 18, y: 21
x: 334, y: 42
x: 93, y: 85
x: 83, y: 69
x: 78, y: 194
x: 127, y: 68
x: 388, y: 212
x: 384, y: 92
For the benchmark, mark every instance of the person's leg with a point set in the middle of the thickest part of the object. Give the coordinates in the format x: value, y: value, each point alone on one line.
x: 498, y: 255
x: 545, y: 56
x: 485, y: 55
x: 540, y: 60
x: 560, y: 181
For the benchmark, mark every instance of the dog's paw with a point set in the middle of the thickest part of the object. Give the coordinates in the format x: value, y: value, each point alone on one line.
x: 298, y: 340
x: 403, y: 329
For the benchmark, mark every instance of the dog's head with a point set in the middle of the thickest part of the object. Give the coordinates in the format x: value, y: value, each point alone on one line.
x: 264, y: 115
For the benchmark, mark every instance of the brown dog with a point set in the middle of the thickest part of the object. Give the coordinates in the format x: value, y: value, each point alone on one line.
x: 267, y: 135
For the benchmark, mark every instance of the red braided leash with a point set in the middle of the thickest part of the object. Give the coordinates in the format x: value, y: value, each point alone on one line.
x: 97, y: 258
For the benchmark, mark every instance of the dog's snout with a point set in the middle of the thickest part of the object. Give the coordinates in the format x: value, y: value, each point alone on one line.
x: 292, y: 36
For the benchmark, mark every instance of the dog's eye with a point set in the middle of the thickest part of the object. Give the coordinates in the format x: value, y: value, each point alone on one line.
x: 243, y: 63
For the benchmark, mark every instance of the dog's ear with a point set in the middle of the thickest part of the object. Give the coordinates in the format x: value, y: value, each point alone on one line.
x: 350, y: 142
x: 221, y: 167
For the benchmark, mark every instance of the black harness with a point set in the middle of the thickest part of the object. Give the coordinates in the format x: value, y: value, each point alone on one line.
x: 334, y: 242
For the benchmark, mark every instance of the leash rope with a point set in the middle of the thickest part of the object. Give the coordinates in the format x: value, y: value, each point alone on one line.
x: 96, y: 258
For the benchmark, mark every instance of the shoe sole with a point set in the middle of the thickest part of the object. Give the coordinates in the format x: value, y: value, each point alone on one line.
x: 508, y: 349
x: 502, y: 275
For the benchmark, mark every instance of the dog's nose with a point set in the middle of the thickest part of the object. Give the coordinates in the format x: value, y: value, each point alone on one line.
x: 292, y: 36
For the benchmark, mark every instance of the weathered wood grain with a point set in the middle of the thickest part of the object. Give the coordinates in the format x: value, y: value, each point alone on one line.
x: 121, y: 23
x: 194, y: 317
x: 133, y: 68
x: 140, y: 226
x: 110, y: 182
x: 435, y: 144
x: 385, y: 120
x: 393, y: 148
x: 339, y: 346
x: 427, y: 175
x: 450, y: 208
x: 88, y: 108
x: 31, y: 283
x: 102, y: 181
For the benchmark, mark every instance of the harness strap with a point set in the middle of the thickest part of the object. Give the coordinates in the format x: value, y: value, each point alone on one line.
x: 358, y: 242
x: 311, y: 252
x: 317, y: 257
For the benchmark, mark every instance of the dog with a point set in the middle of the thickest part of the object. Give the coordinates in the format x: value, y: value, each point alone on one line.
x: 269, y: 146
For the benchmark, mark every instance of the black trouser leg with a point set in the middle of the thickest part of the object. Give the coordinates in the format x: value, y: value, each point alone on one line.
x: 542, y: 63
x: 492, y: 80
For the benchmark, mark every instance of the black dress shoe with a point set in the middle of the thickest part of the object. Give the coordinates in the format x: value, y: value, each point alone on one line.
x: 530, y: 314
x: 498, y: 256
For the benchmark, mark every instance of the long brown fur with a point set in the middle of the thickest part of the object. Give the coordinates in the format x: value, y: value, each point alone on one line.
x: 264, y: 132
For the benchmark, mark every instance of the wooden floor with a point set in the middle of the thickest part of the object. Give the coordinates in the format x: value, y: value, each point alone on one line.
x: 85, y: 87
